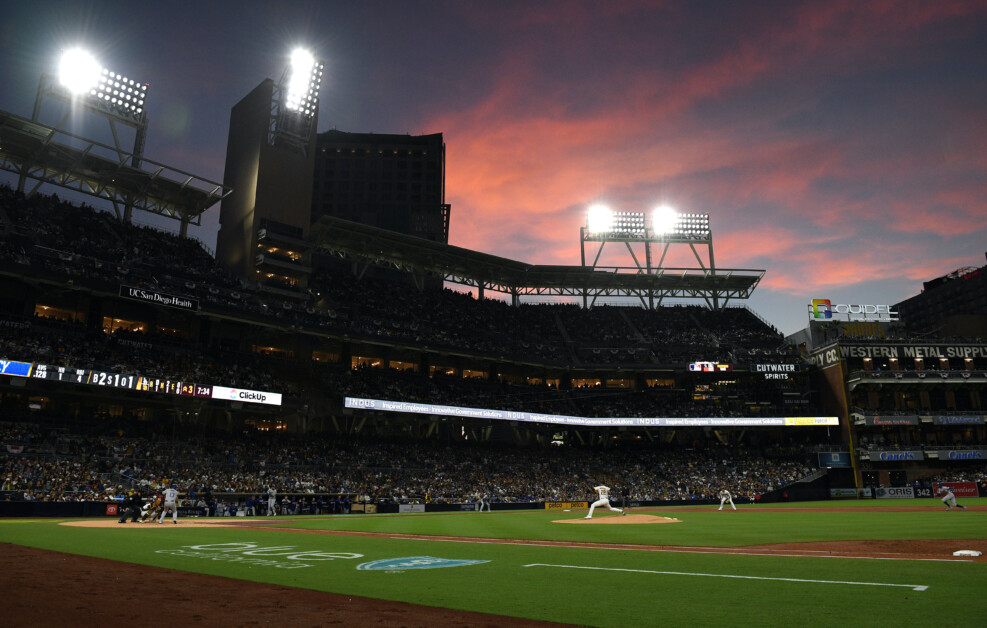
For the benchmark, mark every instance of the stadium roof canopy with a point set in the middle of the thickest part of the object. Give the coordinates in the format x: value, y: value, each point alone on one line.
x: 48, y: 155
x: 381, y: 247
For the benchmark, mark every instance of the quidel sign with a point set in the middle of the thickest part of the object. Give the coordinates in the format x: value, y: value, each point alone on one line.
x: 822, y: 309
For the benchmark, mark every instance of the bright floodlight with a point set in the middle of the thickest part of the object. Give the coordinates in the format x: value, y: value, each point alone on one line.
x: 599, y: 219
x: 81, y: 74
x: 630, y: 223
x: 304, y: 82
x: 124, y: 95
x: 663, y: 220
x: 78, y: 71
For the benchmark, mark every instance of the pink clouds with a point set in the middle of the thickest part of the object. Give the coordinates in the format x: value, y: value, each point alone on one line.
x: 522, y: 166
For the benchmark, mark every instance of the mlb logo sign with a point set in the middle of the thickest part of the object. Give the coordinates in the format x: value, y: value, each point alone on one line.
x: 821, y: 308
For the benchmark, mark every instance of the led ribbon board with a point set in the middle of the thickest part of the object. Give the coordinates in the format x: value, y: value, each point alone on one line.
x: 408, y: 407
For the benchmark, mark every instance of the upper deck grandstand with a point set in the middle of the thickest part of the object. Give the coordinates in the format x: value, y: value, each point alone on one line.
x: 345, y: 322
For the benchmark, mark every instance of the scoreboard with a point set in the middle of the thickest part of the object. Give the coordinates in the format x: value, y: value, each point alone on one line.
x: 119, y: 380
x: 91, y: 377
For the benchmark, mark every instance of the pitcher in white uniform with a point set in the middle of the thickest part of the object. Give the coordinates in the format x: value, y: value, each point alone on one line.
x: 604, y: 493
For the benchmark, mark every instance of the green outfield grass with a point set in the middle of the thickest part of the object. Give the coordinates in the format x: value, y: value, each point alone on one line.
x: 580, y: 585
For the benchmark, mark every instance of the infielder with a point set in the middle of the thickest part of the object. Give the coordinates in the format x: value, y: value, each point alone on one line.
x: 948, y: 497
x: 170, y: 504
x: 484, y: 501
x: 272, y: 502
x: 725, y: 496
x: 604, y: 492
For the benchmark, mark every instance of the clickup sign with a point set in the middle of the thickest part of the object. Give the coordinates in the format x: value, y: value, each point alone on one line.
x: 824, y: 309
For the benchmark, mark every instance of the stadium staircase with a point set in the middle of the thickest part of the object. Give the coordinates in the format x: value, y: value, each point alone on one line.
x: 111, y: 227
x: 634, y: 330
x: 567, y: 342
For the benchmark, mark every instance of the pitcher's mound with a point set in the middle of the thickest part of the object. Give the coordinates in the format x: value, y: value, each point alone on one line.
x: 618, y: 519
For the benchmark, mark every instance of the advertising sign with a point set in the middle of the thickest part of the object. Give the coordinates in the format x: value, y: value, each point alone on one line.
x: 193, y: 511
x: 774, y: 368
x: 565, y: 505
x: 248, y: 396
x: 960, y: 489
x: 159, y: 298
x: 958, y: 420
x: 849, y: 492
x: 842, y: 492
x: 963, y: 454
x: 913, y: 351
x: 826, y: 358
x: 834, y: 459
x: 897, y: 455
x: 811, y: 420
x: 896, y: 492
x: 825, y: 309
x: 776, y: 371
x: 891, y: 420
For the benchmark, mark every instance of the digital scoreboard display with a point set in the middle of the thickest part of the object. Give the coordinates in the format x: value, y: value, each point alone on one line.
x: 710, y: 367
x: 92, y: 377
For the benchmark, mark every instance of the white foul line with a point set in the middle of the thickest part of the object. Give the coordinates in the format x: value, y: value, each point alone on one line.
x: 916, y: 587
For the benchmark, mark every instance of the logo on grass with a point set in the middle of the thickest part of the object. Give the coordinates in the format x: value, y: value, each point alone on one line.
x: 278, y: 556
x: 415, y: 562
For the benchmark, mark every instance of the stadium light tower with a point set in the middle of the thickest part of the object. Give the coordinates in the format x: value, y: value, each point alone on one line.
x: 665, y: 228
x: 295, y: 105
x: 84, y: 84
x: 270, y: 166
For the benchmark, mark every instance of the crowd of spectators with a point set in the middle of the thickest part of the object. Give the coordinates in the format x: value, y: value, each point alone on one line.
x: 52, y: 464
x: 45, y: 235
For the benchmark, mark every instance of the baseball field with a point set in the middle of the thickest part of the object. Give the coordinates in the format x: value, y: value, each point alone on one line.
x: 853, y: 563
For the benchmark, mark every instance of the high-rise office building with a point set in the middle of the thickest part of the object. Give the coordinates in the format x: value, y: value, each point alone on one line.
x: 954, y: 305
x: 395, y: 182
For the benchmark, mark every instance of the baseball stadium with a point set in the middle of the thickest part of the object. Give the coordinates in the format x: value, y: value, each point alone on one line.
x: 366, y: 425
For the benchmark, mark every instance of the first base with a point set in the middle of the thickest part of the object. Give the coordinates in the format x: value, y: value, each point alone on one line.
x: 966, y: 553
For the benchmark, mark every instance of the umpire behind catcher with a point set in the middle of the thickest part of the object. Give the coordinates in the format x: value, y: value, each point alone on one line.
x: 134, y: 504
